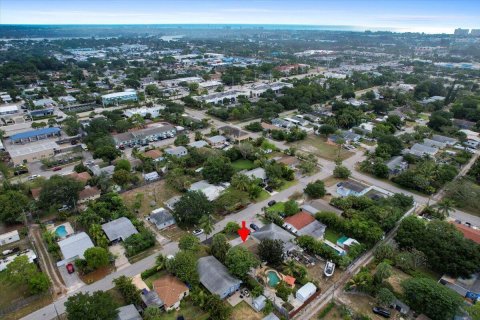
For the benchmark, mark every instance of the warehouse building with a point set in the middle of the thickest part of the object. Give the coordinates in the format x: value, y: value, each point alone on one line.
x: 118, y: 97
x: 21, y: 154
x: 35, y: 135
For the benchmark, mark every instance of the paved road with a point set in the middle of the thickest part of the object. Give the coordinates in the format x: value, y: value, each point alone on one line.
x: 53, y: 310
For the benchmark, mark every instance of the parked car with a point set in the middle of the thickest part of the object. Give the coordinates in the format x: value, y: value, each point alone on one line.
x: 33, y: 177
x: 254, y: 226
x: 269, y: 188
x: 381, y: 312
x: 197, y: 232
x: 70, y: 268
x: 271, y: 203
x: 56, y: 168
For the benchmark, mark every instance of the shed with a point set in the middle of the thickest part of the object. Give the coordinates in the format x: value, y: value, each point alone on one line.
x: 128, y: 313
x: 306, y: 292
x: 151, y: 176
x: 259, y: 302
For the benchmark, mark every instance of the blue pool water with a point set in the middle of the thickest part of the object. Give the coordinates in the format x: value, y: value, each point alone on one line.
x: 273, y: 278
x: 61, y: 231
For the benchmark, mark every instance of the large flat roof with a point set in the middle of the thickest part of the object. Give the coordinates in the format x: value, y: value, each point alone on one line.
x: 34, y: 133
x: 38, y: 146
x: 118, y: 94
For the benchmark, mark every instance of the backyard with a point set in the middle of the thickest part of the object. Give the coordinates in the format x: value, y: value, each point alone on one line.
x: 242, y: 164
x: 332, y: 235
x: 319, y: 147
x: 158, y: 192
x: 244, y: 311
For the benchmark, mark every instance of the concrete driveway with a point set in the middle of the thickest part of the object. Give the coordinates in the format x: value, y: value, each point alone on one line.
x: 121, y: 260
x: 72, y: 281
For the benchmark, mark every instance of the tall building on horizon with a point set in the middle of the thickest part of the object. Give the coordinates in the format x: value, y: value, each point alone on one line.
x: 461, y: 32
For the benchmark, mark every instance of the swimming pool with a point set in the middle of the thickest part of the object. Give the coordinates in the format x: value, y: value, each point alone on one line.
x: 273, y: 278
x: 61, y: 231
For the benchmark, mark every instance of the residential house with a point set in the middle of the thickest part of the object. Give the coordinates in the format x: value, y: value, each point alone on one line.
x: 211, y: 191
x: 73, y: 247
x: 217, y: 141
x: 88, y: 194
x: 154, y: 154
x: 257, y: 173
x: 468, y: 232
x: 304, y: 224
x: 9, y: 237
x: 108, y: 170
x: 259, y: 303
x: 446, y: 140
x: 465, y: 287
x: 171, y: 291
x: 215, y: 277
x: 82, y: 177
x: 315, y: 206
x: 434, y: 143
x: 289, y: 161
x: 351, y: 188
x: 282, y: 123
x: 179, y: 151
x: 119, y: 229
x: 273, y: 232
x: 233, y: 133
x: 128, y: 312
x: 464, y: 124
x: 161, y: 218
x: 198, y: 144
x: 421, y: 150
x: 400, y: 307
x: 397, y: 165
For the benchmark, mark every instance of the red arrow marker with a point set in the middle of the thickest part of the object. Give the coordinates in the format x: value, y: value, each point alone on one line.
x: 243, y: 232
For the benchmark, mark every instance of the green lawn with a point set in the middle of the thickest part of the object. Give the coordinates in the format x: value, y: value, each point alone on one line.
x: 242, y: 164
x: 187, y: 310
x: 264, y: 195
x: 332, y: 235
x: 287, y: 184
x: 319, y: 147
x: 277, y: 207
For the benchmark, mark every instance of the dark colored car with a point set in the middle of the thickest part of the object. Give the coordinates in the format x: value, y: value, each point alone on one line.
x: 254, y: 226
x: 269, y: 189
x: 57, y: 168
x: 271, y: 203
x: 70, y: 268
x: 381, y: 312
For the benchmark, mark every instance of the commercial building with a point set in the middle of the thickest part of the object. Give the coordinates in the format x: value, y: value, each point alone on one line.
x: 118, y: 97
x: 6, y: 110
x: 461, y: 32
x: 144, y: 111
x: 219, y: 97
x: 21, y: 154
x: 35, y: 135
x: 160, y: 132
x: 258, y: 89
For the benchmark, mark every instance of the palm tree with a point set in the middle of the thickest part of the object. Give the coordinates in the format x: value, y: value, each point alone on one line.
x: 206, y: 223
x: 160, y: 261
x: 98, y: 236
x: 445, y: 206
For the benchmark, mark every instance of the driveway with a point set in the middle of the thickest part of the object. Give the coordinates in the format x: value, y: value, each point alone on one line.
x: 72, y: 281
x: 121, y: 260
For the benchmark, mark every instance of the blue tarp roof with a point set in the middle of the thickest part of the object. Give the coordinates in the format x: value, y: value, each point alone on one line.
x: 34, y: 133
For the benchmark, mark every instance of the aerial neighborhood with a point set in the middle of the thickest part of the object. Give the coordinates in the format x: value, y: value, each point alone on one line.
x: 238, y: 173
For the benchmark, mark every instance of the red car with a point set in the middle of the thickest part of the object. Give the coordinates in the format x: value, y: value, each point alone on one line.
x: 70, y: 268
x: 57, y: 168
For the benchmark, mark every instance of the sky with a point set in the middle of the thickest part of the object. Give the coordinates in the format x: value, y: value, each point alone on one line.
x: 430, y: 16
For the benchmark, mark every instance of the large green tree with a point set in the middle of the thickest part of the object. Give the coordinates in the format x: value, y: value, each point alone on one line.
x: 96, y: 257
x: 239, y: 261
x: 271, y: 251
x: 99, y: 305
x: 128, y: 290
x: 220, y: 247
x: 189, y: 242
x: 184, y: 266
x: 12, y: 206
x: 58, y: 191
x: 427, y: 296
x: 217, y: 169
x: 315, y: 189
x: 191, y: 208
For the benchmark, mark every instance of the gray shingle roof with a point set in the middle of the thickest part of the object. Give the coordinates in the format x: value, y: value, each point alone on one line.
x: 119, y: 229
x: 75, y: 245
x: 160, y: 216
x: 354, y: 186
x: 273, y: 232
x: 214, y: 275
x: 314, y: 229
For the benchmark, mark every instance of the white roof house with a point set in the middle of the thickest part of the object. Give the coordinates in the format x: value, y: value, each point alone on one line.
x: 74, y: 247
x: 306, y: 292
x: 257, y: 173
x: 9, y: 237
x: 119, y: 229
x: 211, y: 191
x: 30, y: 254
